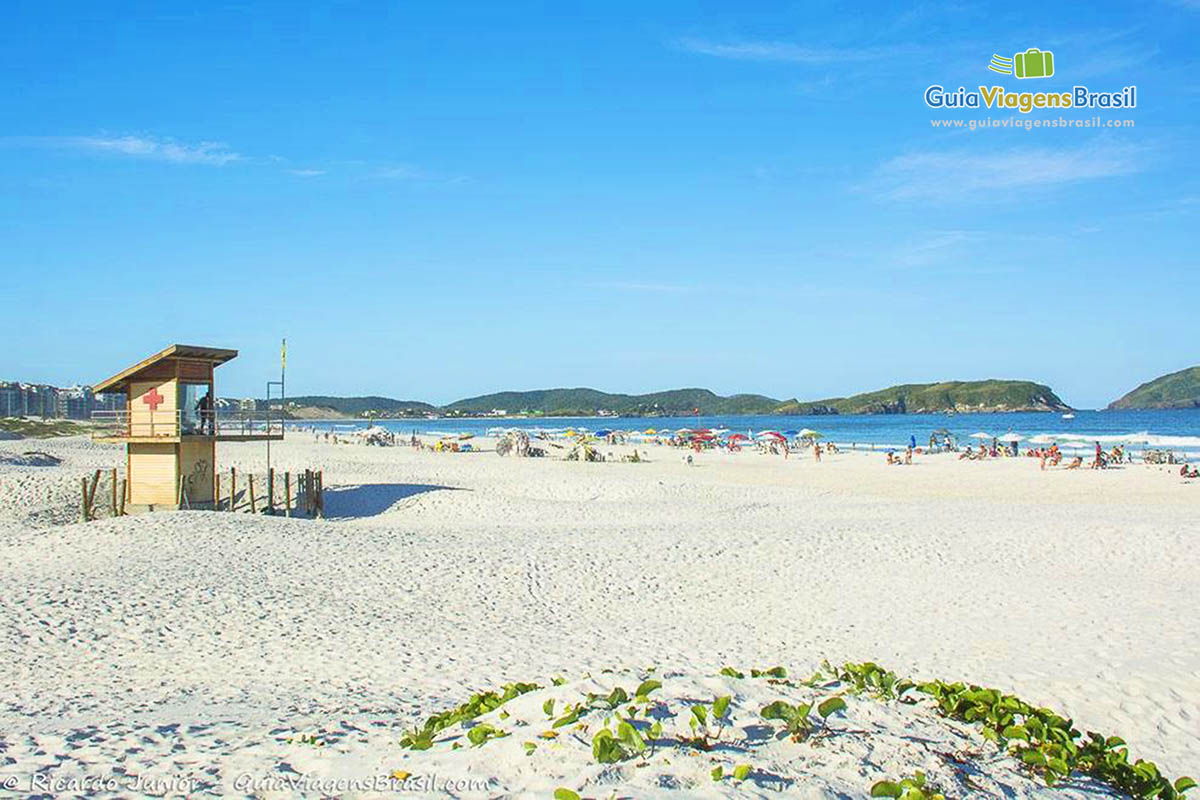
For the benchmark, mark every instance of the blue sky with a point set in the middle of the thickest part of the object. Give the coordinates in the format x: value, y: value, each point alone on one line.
x: 433, y: 201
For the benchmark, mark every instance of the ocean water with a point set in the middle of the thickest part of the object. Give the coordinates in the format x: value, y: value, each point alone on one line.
x: 1178, y: 430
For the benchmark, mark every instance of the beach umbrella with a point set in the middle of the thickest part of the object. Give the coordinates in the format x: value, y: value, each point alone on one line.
x: 738, y: 437
x: 810, y: 433
x: 771, y: 435
x: 1042, y: 438
x: 1011, y: 437
x: 981, y: 435
x: 464, y: 436
x: 604, y: 432
x: 650, y: 431
x: 791, y: 433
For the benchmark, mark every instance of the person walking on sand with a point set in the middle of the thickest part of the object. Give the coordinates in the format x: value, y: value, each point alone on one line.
x: 817, y: 452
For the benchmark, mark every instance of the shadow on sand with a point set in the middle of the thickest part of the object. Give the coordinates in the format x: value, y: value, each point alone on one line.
x: 370, y: 499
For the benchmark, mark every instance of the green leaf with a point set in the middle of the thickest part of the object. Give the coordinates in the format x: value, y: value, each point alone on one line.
x: 569, y: 718
x: 741, y: 772
x: 529, y: 748
x: 647, y: 686
x: 830, y: 706
x: 700, y: 713
x: 886, y: 789
x: 560, y: 682
x: 565, y: 794
x: 548, y: 707
x: 730, y: 672
x: 777, y: 710
x: 721, y: 707
x: 717, y: 773
x: 630, y: 738
x: 1185, y: 783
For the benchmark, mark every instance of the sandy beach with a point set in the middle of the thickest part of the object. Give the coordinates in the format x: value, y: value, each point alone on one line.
x: 204, y: 646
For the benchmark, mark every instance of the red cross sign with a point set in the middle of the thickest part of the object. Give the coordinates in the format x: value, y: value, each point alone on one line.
x: 153, y: 399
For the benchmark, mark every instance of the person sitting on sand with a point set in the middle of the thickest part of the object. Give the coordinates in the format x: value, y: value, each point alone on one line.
x: 908, y: 455
x: 890, y: 458
x: 1185, y: 473
x: 1076, y: 463
x: 967, y: 454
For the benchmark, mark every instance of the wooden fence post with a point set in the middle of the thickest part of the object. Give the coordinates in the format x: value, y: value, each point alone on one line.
x: 287, y: 493
x: 114, y: 491
x: 91, y: 501
x: 253, y: 504
x: 271, y: 490
x: 216, y: 491
x: 123, y: 494
x: 83, y: 504
x: 321, y: 494
x: 232, y: 487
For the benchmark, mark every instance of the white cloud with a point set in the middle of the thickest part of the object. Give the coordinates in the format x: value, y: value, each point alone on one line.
x: 933, y: 247
x: 213, y: 153
x: 403, y: 172
x: 953, y: 174
x: 306, y: 173
x: 785, y: 51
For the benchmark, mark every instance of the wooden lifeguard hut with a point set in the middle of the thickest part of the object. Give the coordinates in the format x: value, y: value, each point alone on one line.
x: 171, y: 425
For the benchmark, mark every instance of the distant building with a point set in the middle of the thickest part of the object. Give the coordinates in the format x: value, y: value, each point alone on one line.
x: 11, y: 402
x: 40, y: 400
x: 75, y: 402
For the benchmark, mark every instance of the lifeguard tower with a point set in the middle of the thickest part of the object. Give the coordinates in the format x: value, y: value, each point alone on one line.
x: 171, y: 426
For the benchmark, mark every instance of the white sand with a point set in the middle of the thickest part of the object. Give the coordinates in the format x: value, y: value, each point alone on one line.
x: 196, y: 644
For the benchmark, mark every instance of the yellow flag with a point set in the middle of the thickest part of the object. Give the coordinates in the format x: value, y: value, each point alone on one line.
x: 283, y: 355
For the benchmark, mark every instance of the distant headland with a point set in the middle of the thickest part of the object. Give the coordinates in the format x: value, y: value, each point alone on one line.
x: 912, y: 398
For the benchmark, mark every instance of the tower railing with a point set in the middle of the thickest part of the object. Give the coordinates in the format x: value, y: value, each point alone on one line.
x: 175, y: 423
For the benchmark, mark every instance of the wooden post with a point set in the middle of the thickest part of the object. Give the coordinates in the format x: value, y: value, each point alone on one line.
x: 114, y: 491
x: 91, y: 501
x: 321, y: 494
x: 122, y: 497
x: 216, y: 491
x: 83, y: 505
x: 253, y: 504
x: 271, y: 490
x: 287, y: 493
x: 232, y: 487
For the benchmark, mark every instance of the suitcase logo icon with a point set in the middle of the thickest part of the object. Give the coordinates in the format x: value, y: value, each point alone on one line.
x: 1033, y: 63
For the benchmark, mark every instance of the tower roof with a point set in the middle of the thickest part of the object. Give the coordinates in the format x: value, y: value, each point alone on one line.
x: 214, y: 355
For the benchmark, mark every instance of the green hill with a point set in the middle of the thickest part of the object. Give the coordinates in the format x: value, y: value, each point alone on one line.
x: 315, y: 405
x: 925, y: 398
x: 1177, y: 390
x: 584, y: 402
x: 913, y: 398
